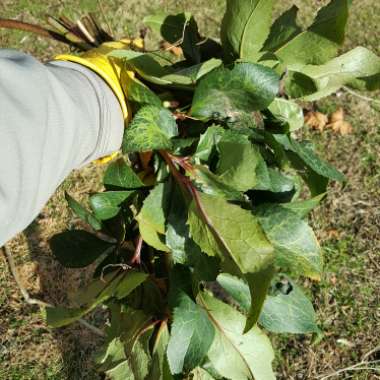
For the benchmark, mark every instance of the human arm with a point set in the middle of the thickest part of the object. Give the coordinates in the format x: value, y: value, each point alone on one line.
x: 53, y: 118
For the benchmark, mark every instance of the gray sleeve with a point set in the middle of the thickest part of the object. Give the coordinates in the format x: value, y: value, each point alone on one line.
x: 53, y: 118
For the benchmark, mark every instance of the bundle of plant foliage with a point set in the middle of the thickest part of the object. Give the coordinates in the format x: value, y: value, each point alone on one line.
x: 200, y: 236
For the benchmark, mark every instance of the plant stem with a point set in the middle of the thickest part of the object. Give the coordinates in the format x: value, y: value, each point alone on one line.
x: 362, y: 97
x: 188, y: 187
x: 136, y: 259
x: 36, y: 29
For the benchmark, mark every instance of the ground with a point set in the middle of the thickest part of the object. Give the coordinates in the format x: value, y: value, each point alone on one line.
x: 347, y: 298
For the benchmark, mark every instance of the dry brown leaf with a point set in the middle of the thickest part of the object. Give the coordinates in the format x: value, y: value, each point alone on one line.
x: 176, y: 50
x: 316, y: 120
x: 338, y: 124
x: 333, y: 234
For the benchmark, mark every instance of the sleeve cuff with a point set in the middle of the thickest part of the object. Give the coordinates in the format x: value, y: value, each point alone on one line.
x: 111, y: 119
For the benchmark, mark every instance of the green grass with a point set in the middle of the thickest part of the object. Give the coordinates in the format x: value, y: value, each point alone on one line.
x: 346, y: 299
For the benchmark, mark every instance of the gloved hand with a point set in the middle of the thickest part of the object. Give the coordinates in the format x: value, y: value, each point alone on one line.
x: 110, y: 69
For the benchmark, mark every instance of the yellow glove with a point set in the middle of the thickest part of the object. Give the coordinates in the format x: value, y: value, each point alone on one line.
x: 110, y: 69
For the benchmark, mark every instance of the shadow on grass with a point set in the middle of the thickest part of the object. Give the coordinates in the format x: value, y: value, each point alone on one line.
x: 76, y: 344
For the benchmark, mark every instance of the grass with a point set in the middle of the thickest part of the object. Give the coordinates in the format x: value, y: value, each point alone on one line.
x: 347, y: 298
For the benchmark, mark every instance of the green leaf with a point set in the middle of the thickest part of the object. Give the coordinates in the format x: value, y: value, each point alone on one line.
x: 245, y: 27
x: 106, y: 205
x: 238, y: 170
x: 78, y: 248
x: 120, y: 174
x: 287, y: 113
x: 259, y: 283
x: 289, y: 312
x: 128, y: 283
x: 157, y: 68
x: 200, y: 374
x: 97, y: 292
x: 137, y: 91
x: 318, y: 43
x: 129, y: 358
x: 237, y: 289
x: 212, y: 184
x: 191, y: 335
x: 296, y: 246
x: 152, y: 67
x: 177, y: 233
x: 160, y: 367
x: 195, y: 72
x: 152, y: 217
x: 305, y: 152
x: 359, y: 67
x: 207, y: 143
x: 151, y: 129
x: 273, y: 180
x: 83, y: 213
x: 302, y: 208
x: 232, y: 233
x: 235, y: 234
x: 178, y: 29
x: 230, y: 93
x: 249, y: 355
x: 283, y: 30
x: 183, y: 249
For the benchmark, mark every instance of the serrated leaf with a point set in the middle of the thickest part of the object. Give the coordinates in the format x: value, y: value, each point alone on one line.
x: 238, y: 170
x: 114, y: 284
x: 229, y: 93
x: 106, y: 205
x: 287, y: 113
x: 120, y: 174
x: 83, y: 213
x: 191, y: 335
x: 78, y: 248
x: 320, y: 41
x: 152, y: 217
x: 295, y: 244
x: 285, y: 312
x: 249, y: 355
x: 245, y: 27
x: 359, y: 67
x: 151, y: 129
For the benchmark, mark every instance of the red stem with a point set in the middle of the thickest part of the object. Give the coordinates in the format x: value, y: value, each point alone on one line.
x: 136, y: 259
x: 40, y: 31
